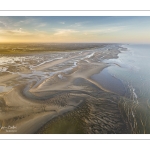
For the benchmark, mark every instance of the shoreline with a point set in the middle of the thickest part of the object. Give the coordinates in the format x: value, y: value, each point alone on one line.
x: 62, y: 93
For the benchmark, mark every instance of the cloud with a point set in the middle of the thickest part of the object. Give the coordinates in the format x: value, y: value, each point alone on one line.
x: 3, y: 24
x: 104, y: 30
x: 62, y: 22
x: 65, y: 32
x: 42, y: 25
x: 79, y: 24
x: 27, y: 20
x: 18, y: 32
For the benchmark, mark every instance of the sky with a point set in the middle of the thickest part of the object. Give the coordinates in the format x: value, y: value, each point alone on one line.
x: 70, y: 29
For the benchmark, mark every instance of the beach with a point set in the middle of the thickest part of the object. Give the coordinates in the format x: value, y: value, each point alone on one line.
x: 53, y: 92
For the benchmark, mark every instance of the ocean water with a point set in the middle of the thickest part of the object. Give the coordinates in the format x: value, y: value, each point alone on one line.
x: 129, y: 75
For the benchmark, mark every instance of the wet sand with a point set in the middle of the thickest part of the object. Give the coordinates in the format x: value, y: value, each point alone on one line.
x: 59, y: 96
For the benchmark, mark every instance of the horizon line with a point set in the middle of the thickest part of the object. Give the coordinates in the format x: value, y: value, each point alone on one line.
x: 74, y: 43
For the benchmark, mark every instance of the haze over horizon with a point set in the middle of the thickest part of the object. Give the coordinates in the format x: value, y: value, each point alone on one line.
x: 74, y: 29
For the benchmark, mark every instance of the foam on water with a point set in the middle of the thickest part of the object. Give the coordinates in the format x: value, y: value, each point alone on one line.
x: 132, y: 68
x: 89, y: 56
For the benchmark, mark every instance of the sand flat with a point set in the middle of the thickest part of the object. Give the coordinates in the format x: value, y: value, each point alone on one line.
x: 60, y: 89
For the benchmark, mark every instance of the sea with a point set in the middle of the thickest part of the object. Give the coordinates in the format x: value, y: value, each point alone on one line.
x: 129, y: 76
x: 129, y: 73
